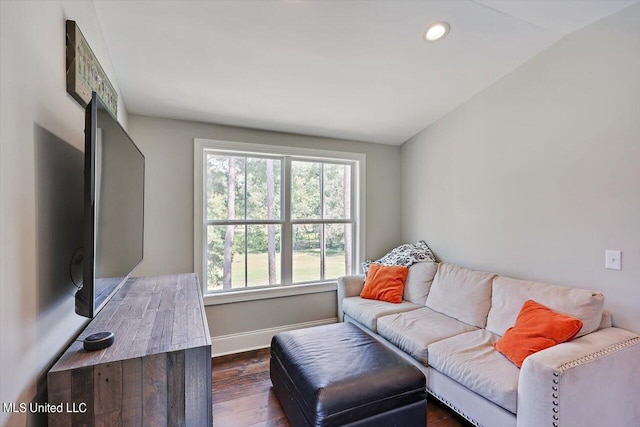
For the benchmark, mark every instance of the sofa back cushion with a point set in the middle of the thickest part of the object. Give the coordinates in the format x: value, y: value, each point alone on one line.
x: 510, y: 294
x: 419, y: 280
x: 462, y: 294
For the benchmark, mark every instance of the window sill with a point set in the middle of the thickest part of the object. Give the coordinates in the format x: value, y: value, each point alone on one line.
x: 268, y: 293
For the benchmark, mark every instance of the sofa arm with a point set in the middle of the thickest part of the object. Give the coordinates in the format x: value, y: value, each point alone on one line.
x: 591, y: 381
x: 348, y: 286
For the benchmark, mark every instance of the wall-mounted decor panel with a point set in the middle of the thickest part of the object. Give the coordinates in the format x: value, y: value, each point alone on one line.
x: 84, y: 73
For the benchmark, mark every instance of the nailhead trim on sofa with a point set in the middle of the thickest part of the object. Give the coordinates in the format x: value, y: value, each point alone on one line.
x: 577, y: 362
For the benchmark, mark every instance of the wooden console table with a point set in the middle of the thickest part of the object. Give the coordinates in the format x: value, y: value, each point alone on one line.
x: 156, y: 373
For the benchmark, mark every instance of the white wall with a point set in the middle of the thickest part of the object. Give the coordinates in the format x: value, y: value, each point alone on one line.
x: 168, y: 148
x: 540, y: 173
x: 41, y: 144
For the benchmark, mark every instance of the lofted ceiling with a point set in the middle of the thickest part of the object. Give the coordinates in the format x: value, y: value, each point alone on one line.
x: 354, y: 70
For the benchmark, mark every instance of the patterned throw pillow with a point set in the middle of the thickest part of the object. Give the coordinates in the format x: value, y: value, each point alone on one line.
x: 406, y: 255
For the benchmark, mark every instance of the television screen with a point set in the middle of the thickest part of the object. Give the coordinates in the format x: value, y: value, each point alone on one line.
x: 113, y: 208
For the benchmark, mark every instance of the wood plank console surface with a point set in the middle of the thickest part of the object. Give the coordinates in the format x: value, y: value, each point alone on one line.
x: 158, y: 370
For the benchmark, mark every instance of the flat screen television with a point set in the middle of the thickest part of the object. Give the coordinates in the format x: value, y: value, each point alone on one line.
x: 113, y: 208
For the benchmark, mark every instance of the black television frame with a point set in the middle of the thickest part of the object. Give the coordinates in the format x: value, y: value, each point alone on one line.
x: 85, y: 295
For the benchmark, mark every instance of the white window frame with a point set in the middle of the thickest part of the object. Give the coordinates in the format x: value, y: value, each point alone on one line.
x: 358, y: 162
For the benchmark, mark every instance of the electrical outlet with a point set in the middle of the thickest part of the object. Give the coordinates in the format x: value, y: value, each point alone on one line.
x: 613, y: 260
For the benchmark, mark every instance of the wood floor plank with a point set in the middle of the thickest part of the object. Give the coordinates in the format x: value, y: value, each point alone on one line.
x: 248, y: 416
x: 257, y: 400
x: 239, y: 371
x: 234, y: 360
x: 234, y: 388
x: 243, y: 395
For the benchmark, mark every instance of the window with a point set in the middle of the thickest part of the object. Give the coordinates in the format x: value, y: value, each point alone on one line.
x: 268, y: 217
x: 243, y: 226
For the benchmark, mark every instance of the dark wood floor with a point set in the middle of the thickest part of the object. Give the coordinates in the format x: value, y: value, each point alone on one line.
x: 242, y: 395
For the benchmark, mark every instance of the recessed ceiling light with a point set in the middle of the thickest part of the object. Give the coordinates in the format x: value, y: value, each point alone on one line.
x: 436, y: 31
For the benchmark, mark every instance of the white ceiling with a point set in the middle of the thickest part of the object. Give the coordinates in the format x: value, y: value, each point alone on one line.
x: 344, y: 69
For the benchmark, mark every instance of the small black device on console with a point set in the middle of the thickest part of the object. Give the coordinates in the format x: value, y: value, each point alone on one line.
x: 98, y: 341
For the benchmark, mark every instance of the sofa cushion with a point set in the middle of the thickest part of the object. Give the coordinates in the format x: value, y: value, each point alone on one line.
x: 462, y: 294
x: 419, y: 280
x: 606, y: 321
x: 415, y: 330
x: 367, y: 311
x: 471, y: 360
x: 510, y: 294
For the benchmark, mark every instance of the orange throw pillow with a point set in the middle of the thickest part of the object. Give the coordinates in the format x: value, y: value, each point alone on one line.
x: 385, y: 283
x: 537, y: 327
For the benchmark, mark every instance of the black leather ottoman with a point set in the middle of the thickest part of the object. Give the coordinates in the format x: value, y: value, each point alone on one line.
x: 338, y: 375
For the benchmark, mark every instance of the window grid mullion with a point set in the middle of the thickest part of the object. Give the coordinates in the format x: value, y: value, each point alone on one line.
x: 286, y: 256
x: 246, y: 260
x: 245, y: 187
x: 322, y: 190
x: 322, y: 221
x: 242, y: 222
x: 322, y: 252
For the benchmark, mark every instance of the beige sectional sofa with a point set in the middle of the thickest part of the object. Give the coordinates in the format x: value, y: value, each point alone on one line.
x: 451, y: 316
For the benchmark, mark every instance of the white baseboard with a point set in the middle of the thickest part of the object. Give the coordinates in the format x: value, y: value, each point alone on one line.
x: 253, y: 340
